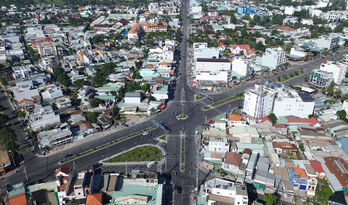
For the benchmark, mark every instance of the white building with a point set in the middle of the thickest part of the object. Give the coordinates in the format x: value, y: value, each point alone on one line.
x: 218, y: 144
x: 258, y: 101
x: 203, y: 52
x: 43, y: 117
x: 297, y: 52
x: 337, y: 69
x: 241, y: 67
x: 272, y: 58
x: 289, y: 10
x: 290, y: 102
x: 320, y: 78
x: 307, y: 21
x: 132, y: 98
x: 51, y: 92
x: 328, y: 42
x: 218, y: 70
x: 223, y: 188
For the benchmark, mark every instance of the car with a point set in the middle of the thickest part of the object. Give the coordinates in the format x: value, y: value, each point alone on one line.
x: 145, y: 133
x: 151, y: 164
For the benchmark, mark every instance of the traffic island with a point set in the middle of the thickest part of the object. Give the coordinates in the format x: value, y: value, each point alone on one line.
x: 291, y: 76
x: 181, y: 117
x: 224, y: 101
x: 138, y: 154
x: 163, y: 138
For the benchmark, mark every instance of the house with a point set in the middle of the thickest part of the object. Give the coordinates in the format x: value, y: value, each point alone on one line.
x: 133, y: 33
x: 218, y: 144
x: 236, y: 120
x: 336, y: 168
x: 25, y: 90
x: 51, y: 92
x: 284, y: 147
x: 298, y: 178
x: 18, y: 200
x: 62, y: 102
x: 64, y: 178
x: 79, y: 188
x: 42, y: 117
x: 223, y: 191
x: 327, y: 42
x: 318, y: 168
x: 5, y: 161
x: 241, y: 68
x: 132, y: 98
x: 231, y: 162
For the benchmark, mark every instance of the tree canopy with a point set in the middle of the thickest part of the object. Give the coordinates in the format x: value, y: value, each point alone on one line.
x: 8, y: 138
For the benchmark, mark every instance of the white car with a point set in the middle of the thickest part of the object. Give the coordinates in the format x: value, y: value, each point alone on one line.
x: 145, y: 133
x: 151, y: 164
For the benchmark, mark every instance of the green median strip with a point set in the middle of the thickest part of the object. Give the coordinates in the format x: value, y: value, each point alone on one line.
x: 139, y: 154
x: 293, y: 75
x: 224, y: 101
x: 107, y: 144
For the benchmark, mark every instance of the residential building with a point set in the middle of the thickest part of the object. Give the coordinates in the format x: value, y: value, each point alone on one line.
x: 132, y: 98
x: 51, y: 92
x: 236, y: 120
x: 258, y: 101
x: 218, y: 144
x: 42, y: 117
x: 231, y: 162
x: 320, y: 78
x: 64, y: 178
x: 21, y: 72
x: 79, y: 188
x: 223, y: 191
x: 290, y: 102
x: 338, y: 70
x: 272, y: 59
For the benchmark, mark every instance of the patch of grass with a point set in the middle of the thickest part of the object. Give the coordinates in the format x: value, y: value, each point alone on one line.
x: 182, y: 150
x: 198, y: 97
x: 290, y: 76
x: 323, y: 191
x: 163, y: 137
x: 140, y: 154
x: 206, y: 108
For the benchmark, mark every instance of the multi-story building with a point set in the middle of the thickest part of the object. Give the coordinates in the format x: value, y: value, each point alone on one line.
x: 220, y: 190
x: 43, y: 117
x: 320, y: 78
x: 272, y: 58
x: 258, y: 101
x: 241, y: 67
x: 290, y: 102
x: 328, y: 42
x: 338, y: 70
x: 218, y: 144
x: 218, y: 70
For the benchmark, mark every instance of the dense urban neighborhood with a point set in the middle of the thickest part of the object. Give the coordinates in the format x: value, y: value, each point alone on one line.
x: 205, y: 102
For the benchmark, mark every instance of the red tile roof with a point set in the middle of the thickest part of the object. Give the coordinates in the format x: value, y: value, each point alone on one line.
x: 233, y: 158
x: 265, y: 118
x: 317, y: 166
x: 243, y: 46
x: 280, y: 126
x: 235, y: 117
x: 300, y: 172
x: 18, y: 200
x: 65, y: 170
x: 94, y: 199
x: 310, y: 121
x: 286, y: 28
x: 336, y: 165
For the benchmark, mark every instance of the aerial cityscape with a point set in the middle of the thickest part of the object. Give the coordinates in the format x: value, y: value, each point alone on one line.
x: 198, y: 102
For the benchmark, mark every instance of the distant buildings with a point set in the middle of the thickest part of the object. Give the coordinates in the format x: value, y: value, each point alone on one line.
x: 155, y: 27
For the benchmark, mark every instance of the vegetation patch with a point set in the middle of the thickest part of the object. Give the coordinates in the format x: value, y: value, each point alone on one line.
x: 322, y: 192
x: 139, y: 154
x: 292, y: 75
x: 163, y: 137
